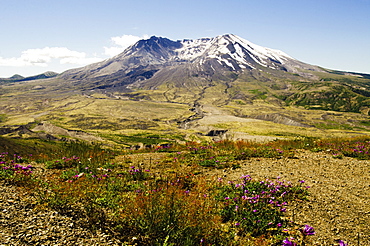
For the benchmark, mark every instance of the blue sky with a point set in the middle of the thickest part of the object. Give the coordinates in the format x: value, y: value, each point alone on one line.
x: 55, y: 35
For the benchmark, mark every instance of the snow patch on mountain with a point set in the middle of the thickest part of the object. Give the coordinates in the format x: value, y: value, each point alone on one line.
x: 230, y: 47
x: 192, y: 49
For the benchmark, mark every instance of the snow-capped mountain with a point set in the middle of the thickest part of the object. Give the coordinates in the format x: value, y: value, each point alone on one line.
x: 231, y: 51
x: 160, y: 59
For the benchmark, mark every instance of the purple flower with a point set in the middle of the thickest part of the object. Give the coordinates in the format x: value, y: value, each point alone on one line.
x: 287, y: 242
x: 308, y: 230
x: 341, y: 243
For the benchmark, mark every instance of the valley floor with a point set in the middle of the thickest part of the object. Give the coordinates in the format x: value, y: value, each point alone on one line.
x: 338, y: 207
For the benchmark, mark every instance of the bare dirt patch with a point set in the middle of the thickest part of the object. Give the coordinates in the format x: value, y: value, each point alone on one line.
x: 55, y: 130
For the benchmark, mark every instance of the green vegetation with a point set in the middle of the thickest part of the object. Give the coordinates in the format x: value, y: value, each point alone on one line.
x: 145, y: 139
x: 365, y: 123
x: 2, y: 117
x: 334, y: 125
x: 338, y: 98
x: 260, y: 94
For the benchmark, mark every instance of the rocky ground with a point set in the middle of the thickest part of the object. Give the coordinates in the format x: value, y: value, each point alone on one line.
x: 338, y: 206
x: 23, y: 222
x: 339, y: 201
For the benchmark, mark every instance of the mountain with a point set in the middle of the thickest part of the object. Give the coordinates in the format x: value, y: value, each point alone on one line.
x: 16, y: 77
x: 150, y: 62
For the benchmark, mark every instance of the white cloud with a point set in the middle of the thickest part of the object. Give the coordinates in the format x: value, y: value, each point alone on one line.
x: 42, y: 57
x: 121, y: 43
x: 58, y: 58
x: 112, y: 51
x: 80, y: 61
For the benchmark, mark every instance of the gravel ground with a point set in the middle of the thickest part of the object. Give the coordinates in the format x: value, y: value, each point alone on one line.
x: 338, y: 206
x: 339, y: 201
x: 22, y: 222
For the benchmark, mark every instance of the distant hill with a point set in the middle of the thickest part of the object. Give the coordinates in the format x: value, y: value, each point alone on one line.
x: 19, y: 78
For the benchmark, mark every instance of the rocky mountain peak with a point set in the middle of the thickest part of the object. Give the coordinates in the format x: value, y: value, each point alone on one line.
x: 156, y: 45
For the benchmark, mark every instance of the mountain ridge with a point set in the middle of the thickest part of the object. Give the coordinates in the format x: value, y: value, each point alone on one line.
x: 20, y: 78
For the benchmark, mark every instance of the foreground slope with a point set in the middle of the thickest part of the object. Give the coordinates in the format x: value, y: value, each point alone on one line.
x: 337, y: 206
